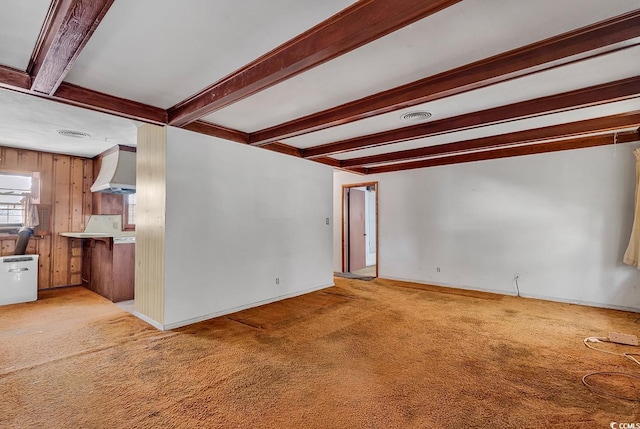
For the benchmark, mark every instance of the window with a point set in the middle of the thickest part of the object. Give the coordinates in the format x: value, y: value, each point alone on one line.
x: 15, y: 194
x: 130, y: 211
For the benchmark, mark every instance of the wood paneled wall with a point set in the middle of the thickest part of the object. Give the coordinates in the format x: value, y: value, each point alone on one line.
x: 65, y: 205
x: 151, y: 185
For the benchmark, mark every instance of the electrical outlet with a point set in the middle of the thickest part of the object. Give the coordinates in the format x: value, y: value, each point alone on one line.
x: 438, y: 269
x: 327, y: 221
x: 277, y: 280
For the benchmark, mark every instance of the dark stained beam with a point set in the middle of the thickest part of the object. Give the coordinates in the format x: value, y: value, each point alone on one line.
x: 284, y: 148
x: 86, y: 98
x: 594, y: 95
x: 210, y: 129
x: 94, y: 100
x: 328, y: 161
x: 213, y: 130
x: 576, y: 143
x: 357, y: 25
x: 67, y: 28
x: 14, y: 79
x: 588, y: 126
x: 533, y: 58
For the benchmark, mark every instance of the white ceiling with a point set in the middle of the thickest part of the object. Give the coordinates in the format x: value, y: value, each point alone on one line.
x: 503, y: 128
x: 33, y: 123
x: 463, y: 33
x: 602, y: 69
x: 20, y: 23
x: 160, y: 52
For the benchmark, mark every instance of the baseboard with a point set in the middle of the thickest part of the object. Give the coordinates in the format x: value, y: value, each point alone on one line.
x: 239, y: 308
x: 524, y: 295
x: 580, y: 302
x: 148, y: 320
x: 498, y: 291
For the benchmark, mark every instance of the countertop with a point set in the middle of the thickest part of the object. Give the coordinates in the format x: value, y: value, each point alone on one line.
x: 103, y: 227
x: 120, y: 237
x: 118, y: 234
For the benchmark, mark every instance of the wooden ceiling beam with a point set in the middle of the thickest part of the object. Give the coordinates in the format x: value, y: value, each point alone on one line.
x: 588, y: 126
x: 536, y: 148
x: 67, y: 28
x: 533, y: 58
x: 357, y: 25
x: 14, y: 79
x: 594, y: 95
x: 285, y: 149
x: 94, y: 100
x: 213, y: 130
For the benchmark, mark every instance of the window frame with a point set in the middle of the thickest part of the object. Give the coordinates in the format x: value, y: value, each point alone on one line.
x: 127, y: 225
x: 34, y: 195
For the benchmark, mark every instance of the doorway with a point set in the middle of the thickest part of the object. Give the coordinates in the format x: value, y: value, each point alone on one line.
x: 360, y: 229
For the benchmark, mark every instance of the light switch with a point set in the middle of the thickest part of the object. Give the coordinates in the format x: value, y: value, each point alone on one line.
x: 327, y: 221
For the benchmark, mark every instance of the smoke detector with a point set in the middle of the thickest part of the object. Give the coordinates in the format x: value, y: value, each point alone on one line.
x: 419, y: 115
x: 72, y: 133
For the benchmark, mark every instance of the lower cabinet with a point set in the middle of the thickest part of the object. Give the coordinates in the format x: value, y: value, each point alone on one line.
x: 109, y: 269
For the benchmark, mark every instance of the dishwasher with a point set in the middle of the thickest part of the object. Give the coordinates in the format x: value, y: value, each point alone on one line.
x: 18, y: 279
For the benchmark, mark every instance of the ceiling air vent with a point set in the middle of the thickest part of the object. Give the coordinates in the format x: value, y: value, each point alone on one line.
x: 416, y: 116
x: 72, y: 133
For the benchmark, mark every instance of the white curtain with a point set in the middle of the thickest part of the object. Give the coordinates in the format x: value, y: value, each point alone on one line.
x: 632, y: 255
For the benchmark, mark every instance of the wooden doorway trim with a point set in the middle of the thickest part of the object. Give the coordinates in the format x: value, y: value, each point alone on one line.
x: 343, y: 224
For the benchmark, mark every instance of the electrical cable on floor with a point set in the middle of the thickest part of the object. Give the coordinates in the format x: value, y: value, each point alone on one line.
x: 629, y: 356
x: 602, y: 392
x: 517, y: 286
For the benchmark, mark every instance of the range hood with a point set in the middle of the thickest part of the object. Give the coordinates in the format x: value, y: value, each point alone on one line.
x: 117, y: 171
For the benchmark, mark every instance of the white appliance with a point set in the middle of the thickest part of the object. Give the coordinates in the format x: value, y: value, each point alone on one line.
x: 18, y: 279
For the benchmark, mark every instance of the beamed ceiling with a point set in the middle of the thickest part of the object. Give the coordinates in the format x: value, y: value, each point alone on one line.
x: 330, y: 80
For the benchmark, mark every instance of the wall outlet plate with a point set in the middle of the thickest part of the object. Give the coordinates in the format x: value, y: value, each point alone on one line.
x: 628, y: 339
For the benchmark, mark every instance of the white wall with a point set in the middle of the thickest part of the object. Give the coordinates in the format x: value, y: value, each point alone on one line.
x: 239, y: 217
x: 561, y: 221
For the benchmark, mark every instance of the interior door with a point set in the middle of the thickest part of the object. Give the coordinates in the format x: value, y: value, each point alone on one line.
x: 357, y: 231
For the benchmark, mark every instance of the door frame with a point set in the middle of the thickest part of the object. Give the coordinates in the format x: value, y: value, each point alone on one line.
x: 344, y: 224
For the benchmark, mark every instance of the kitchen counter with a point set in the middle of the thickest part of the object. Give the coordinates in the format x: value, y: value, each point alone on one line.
x: 108, y: 257
x: 119, y: 234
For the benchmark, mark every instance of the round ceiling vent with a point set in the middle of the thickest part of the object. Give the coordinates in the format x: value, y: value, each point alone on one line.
x: 72, y: 133
x: 420, y: 115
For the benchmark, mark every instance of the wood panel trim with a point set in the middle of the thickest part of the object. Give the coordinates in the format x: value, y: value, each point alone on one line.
x: 150, y: 221
x: 555, y: 146
x: 588, y: 126
x: 360, y: 23
x: 594, y: 95
x: 67, y: 28
x: 552, y: 52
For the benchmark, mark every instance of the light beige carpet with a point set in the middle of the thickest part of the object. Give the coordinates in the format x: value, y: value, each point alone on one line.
x: 377, y: 354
